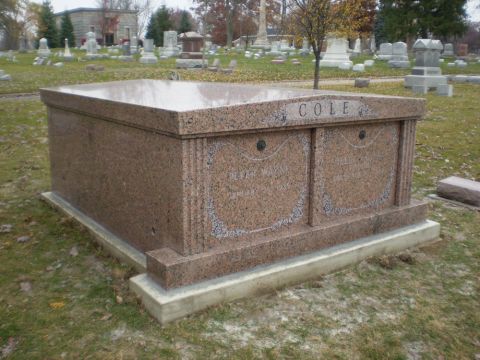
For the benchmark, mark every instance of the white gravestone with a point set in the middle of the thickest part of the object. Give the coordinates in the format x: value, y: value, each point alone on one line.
x: 134, y: 45
x: 448, y: 50
x: 305, y: 48
x: 427, y: 74
x: 91, y: 45
x: 385, y: 52
x: 43, y: 50
x: 357, y: 49
x: 399, y: 56
x: 148, y: 56
x: 373, y: 44
x: 67, y: 55
x: 170, y: 47
x: 336, y: 54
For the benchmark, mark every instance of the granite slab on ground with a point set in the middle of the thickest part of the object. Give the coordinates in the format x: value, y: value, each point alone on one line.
x: 459, y: 189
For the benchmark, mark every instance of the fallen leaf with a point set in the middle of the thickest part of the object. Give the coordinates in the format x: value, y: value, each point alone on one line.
x: 106, y: 317
x: 57, y: 305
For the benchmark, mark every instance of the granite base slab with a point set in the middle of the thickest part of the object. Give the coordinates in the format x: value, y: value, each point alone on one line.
x: 170, y: 305
x: 459, y: 189
x: 453, y: 202
x: 171, y: 270
x: 190, y: 63
x: 113, y: 244
x: 430, y: 82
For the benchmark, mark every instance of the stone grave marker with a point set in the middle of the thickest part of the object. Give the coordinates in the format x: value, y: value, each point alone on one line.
x: 448, y: 50
x: 170, y: 48
x: 148, y: 56
x: 191, y: 56
x: 336, y: 54
x: 234, y: 180
x: 399, y: 56
x: 385, y: 52
x: 67, y: 54
x: 427, y: 74
x: 458, y: 189
x: 43, y: 50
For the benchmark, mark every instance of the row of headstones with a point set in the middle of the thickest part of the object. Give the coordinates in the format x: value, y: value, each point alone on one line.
x: 387, y: 50
x: 91, y: 46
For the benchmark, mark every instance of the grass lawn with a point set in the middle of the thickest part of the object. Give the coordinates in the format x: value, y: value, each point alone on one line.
x: 28, y: 78
x: 62, y: 297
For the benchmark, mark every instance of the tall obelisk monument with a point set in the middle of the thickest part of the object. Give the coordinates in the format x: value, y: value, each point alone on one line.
x: 262, y: 41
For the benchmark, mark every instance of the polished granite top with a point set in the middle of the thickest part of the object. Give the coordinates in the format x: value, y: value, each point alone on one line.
x: 188, y: 96
x: 185, y: 108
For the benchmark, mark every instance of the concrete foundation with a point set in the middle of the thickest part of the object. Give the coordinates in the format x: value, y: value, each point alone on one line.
x: 170, y: 305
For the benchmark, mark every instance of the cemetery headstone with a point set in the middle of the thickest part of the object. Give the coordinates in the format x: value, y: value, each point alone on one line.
x: 170, y: 48
x: 336, y: 54
x: 357, y: 49
x: 358, y: 68
x: 427, y: 74
x: 261, y: 41
x: 43, y: 50
x: 191, y: 56
x: 148, y: 55
x: 399, y: 56
x: 385, y: 52
x: 458, y: 189
x: 361, y: 82
x: 373, y: 44
x: 369, y: 63
x: 91, y: 46
x: 305, y: 51
x: 67, y: 54
x: 325, y: 170
x: 275, y: 49
x: 134, y: 45
x: 126, y: 53
x: 448, y: 50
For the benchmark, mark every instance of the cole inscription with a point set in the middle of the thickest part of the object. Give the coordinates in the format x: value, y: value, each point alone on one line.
x: 320, y: 109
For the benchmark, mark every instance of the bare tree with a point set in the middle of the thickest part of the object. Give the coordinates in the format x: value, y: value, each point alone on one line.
x: 315, y: 19
x: 17, y: 18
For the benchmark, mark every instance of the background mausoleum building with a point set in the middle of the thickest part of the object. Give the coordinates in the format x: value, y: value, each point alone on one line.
x: 110, y: 27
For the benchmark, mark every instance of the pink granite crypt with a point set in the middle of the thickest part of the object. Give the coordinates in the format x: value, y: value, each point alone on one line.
x: 211, y: 179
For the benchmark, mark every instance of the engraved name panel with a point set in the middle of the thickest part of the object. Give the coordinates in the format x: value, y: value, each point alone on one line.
x: 257, y: 182
x: 328, y: 110
x: 355, y: 170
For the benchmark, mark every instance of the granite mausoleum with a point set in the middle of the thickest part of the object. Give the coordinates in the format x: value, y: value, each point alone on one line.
x: 205, y: 183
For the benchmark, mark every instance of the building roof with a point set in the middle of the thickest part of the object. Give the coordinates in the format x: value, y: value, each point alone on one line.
x: 84, y: 9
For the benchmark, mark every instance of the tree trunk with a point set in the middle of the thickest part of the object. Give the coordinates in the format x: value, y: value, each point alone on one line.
x: 316, y: 77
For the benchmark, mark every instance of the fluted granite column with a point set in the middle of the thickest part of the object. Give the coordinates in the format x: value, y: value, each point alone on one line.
x: 262, y: 40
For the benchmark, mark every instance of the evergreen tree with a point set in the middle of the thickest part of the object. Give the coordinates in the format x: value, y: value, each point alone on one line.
x: 66, y: 31
x: 423, y: 18
x: 159, y: 22
x: 185, y: 24
x: 46, y: 25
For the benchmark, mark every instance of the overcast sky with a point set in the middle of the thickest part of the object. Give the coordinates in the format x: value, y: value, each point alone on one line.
x: 60, y: 5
